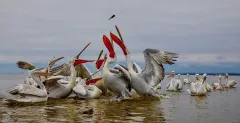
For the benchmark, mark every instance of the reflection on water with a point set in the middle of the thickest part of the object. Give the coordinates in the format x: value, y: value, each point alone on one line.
x: 216, y: 107
x: 69, y: 110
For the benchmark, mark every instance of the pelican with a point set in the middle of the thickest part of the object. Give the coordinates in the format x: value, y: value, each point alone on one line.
x: 187, y: 80
x: 53, y: 84
x: 27, y: 66
x: 143, y: 83
x: 206, y: 85
x: 100, y: 83
x: 117, y: 82
x: 29, y: 93
x: 218, y: 85
x: 229, y: 83
x: 197, y: 88
x: 174, y: 84
x: 86, y: 90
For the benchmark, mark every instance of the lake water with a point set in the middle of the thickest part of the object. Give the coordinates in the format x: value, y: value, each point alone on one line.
x: 216, y: 107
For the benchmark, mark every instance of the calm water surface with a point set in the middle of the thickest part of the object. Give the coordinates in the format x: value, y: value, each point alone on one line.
x: 216, y: 107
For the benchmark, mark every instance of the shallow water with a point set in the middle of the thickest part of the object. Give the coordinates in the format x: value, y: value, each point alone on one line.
x: 216, y: 107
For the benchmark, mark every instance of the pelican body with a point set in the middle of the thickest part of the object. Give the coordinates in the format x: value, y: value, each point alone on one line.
x: 144, y: 83
x: 229, y: 83
x: 29, y: 93
x: 218, y: 85
x: 175, y: 84
x: 197, y: 88
x: 117, y: 81
x: 187, y: 80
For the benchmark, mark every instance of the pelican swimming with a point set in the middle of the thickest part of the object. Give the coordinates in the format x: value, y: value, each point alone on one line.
x: 218, y: 85
x: 143, y: 83
x: 29, y: 93
x: 174, y: 84
x: 54, y: 85
x: 117, y: 82
x: 206, y: 85
x: 187, y: 80
x: 229, y: 83
x: 197, y: 88
x: 86, y: 90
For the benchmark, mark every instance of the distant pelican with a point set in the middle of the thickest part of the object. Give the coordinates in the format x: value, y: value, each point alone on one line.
x: 206, y: 85
x: 218, y: 85
x: 197, y: 88
x: 229, y: 83
x: 175, y: 84
x: 187, y: 80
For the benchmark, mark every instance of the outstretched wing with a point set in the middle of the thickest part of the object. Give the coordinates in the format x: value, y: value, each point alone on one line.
x: 136, y: 68
x: 24, y: 65
x: 154, y: 71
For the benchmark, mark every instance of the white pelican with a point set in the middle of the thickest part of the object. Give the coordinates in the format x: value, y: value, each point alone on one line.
x: 27, y: 66
x: 143, y: 83
x: 116, y: 82
x: 54, y: 84
x: 174, y: 84
x: 229, y: 83
x: 86, y: 90
x: 187, y: 80
x: 197, y: 88
x: 206, y: 85
x: 218, y: 85
x: 100, y: 83
x: 29, y: 93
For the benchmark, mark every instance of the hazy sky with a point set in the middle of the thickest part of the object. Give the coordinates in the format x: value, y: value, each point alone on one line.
x: 202, y: 32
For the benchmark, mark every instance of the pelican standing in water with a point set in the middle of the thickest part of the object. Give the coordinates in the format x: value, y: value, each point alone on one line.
x: 143, y: 83
x: 218, y: 85
x: 117, y: 82
x: 53, y: 84
x: 197, y: 88
x: 29, y: 93
x: 229, y: 83
x: 187, y: 80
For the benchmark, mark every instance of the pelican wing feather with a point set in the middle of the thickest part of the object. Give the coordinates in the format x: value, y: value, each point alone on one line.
x: 154, y: 71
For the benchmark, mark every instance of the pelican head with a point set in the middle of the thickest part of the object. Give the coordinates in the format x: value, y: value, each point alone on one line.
x: 219, y: 77
x: 197, y: 77
x: 226, y: 76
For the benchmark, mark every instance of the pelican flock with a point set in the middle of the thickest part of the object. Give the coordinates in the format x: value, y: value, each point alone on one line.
x: 74, y: 79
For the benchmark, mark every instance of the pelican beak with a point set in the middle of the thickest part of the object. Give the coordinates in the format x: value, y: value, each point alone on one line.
x: 109, y: 46
x: 119, y: 42
x: 52, y: 62
x: 77, y: 56
x: 44, y: 74
x: 105, y: 58
x: 81, y: 61
x: 93, y: 81
x: 99, y: 63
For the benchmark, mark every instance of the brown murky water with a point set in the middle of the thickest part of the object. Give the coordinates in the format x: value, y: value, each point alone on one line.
x: 216, y: 107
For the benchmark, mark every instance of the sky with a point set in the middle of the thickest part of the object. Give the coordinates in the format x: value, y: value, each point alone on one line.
x: 205, y: 33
